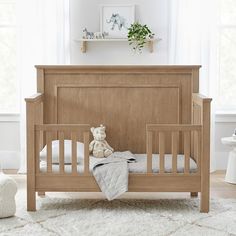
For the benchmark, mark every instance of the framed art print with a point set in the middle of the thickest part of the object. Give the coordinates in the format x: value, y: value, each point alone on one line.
x: 116, y: 19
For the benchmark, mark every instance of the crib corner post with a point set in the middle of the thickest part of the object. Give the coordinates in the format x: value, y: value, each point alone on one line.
x: 30, y: 122
x: 34, y: 115
x: 205, y: 157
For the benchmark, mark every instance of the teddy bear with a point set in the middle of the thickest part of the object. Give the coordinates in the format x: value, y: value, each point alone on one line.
x: 99, y: 146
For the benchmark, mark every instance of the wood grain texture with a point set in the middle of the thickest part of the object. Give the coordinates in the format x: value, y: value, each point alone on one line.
x: 172, y: 127
x: 40, y: 80
x: 37, y: 151
x: 137, y: 183
x: 34, y: 116
x: 162, y: 152
x: 205, y: 158
x: 143, y: 107
x: 49, y: 151
x: 67, y: 87
x: 74, y: 152
x: 175, y: 141
x: 138, y: 102
x: 61, y: 127
x: 203, y: 112
x: 187, y: 152
x: 149, y: 151
x: 195, y: 76
x: 199, y: 151
x: 30, y: 121
x: 61, y: 152
x: 86, y: 153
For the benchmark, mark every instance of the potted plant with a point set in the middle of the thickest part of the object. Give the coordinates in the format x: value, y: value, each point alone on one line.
x: 139, y: 35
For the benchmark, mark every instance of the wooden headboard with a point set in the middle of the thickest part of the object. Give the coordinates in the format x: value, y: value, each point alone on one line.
x: 123, y: 98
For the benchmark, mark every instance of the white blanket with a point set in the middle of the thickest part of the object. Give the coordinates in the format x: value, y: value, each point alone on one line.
x: 112, y: 174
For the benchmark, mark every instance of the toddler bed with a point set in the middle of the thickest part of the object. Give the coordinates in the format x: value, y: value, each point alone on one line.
x: 155, y: 112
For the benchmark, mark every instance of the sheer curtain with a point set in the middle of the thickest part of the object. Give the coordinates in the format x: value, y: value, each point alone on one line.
x: 193, y: 40
x: 43, y: 38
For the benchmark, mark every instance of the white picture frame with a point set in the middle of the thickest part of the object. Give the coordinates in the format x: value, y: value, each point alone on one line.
x: 116, y: 19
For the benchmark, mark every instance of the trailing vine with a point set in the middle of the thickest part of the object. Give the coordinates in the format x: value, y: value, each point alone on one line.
x: 138, y: 36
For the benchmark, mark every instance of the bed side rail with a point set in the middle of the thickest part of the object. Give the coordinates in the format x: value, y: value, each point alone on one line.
x: 63, y: 130
x: 175, y: 130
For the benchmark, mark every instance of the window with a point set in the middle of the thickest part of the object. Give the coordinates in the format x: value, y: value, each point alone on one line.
x: 9, y: 102
x: 227, y: 56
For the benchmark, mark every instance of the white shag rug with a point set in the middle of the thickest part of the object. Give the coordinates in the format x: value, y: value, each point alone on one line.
x: 66, y: 216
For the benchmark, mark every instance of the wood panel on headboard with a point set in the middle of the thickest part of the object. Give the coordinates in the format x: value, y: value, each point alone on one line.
x: 123, y: 98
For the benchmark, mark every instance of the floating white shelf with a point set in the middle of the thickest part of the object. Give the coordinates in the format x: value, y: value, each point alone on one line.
x: 85, y: 41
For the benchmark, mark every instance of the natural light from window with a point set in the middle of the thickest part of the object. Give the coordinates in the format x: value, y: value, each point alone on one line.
x: 9, y: 102
x: 227, y: 55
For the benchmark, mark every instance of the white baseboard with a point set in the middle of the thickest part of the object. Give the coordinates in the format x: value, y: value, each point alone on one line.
x: 9, y: 159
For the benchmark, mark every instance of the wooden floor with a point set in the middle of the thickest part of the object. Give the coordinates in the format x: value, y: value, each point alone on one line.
x: 219, y: 189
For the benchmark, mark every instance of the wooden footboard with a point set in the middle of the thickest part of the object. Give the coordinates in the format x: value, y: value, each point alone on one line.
x: 125, y: 99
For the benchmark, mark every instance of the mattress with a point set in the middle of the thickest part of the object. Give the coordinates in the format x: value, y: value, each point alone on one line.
x: 140, y: 166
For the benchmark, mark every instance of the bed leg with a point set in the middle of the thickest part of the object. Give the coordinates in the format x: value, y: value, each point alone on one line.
x: 31, y: 200
x: 194, y: 194
x: 41, y: 194
x: 204, y: 204
x: 205, y: 157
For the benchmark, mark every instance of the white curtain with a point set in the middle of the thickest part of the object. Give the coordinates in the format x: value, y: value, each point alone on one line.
x: 193, y: 40
x: 43, y: 38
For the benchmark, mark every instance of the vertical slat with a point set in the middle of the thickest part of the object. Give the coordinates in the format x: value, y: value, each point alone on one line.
x: 162, y: 152
x: 194, y: 147
x: 86, y: 153
x: 199, y: 149
x: 49, y: 151
x: 186, y: 152
x: 149, y: 152
x: 61, y: 152
x: 74, y: 152
x: 175, y: 144
x: 37, y: 150
x: 42, y: 140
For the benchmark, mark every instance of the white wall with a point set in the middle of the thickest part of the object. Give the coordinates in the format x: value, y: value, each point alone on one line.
x: 154, y: 13
x: 9, y: 144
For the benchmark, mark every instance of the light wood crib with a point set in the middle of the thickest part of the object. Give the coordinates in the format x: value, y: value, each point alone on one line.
x: 146, y: 109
